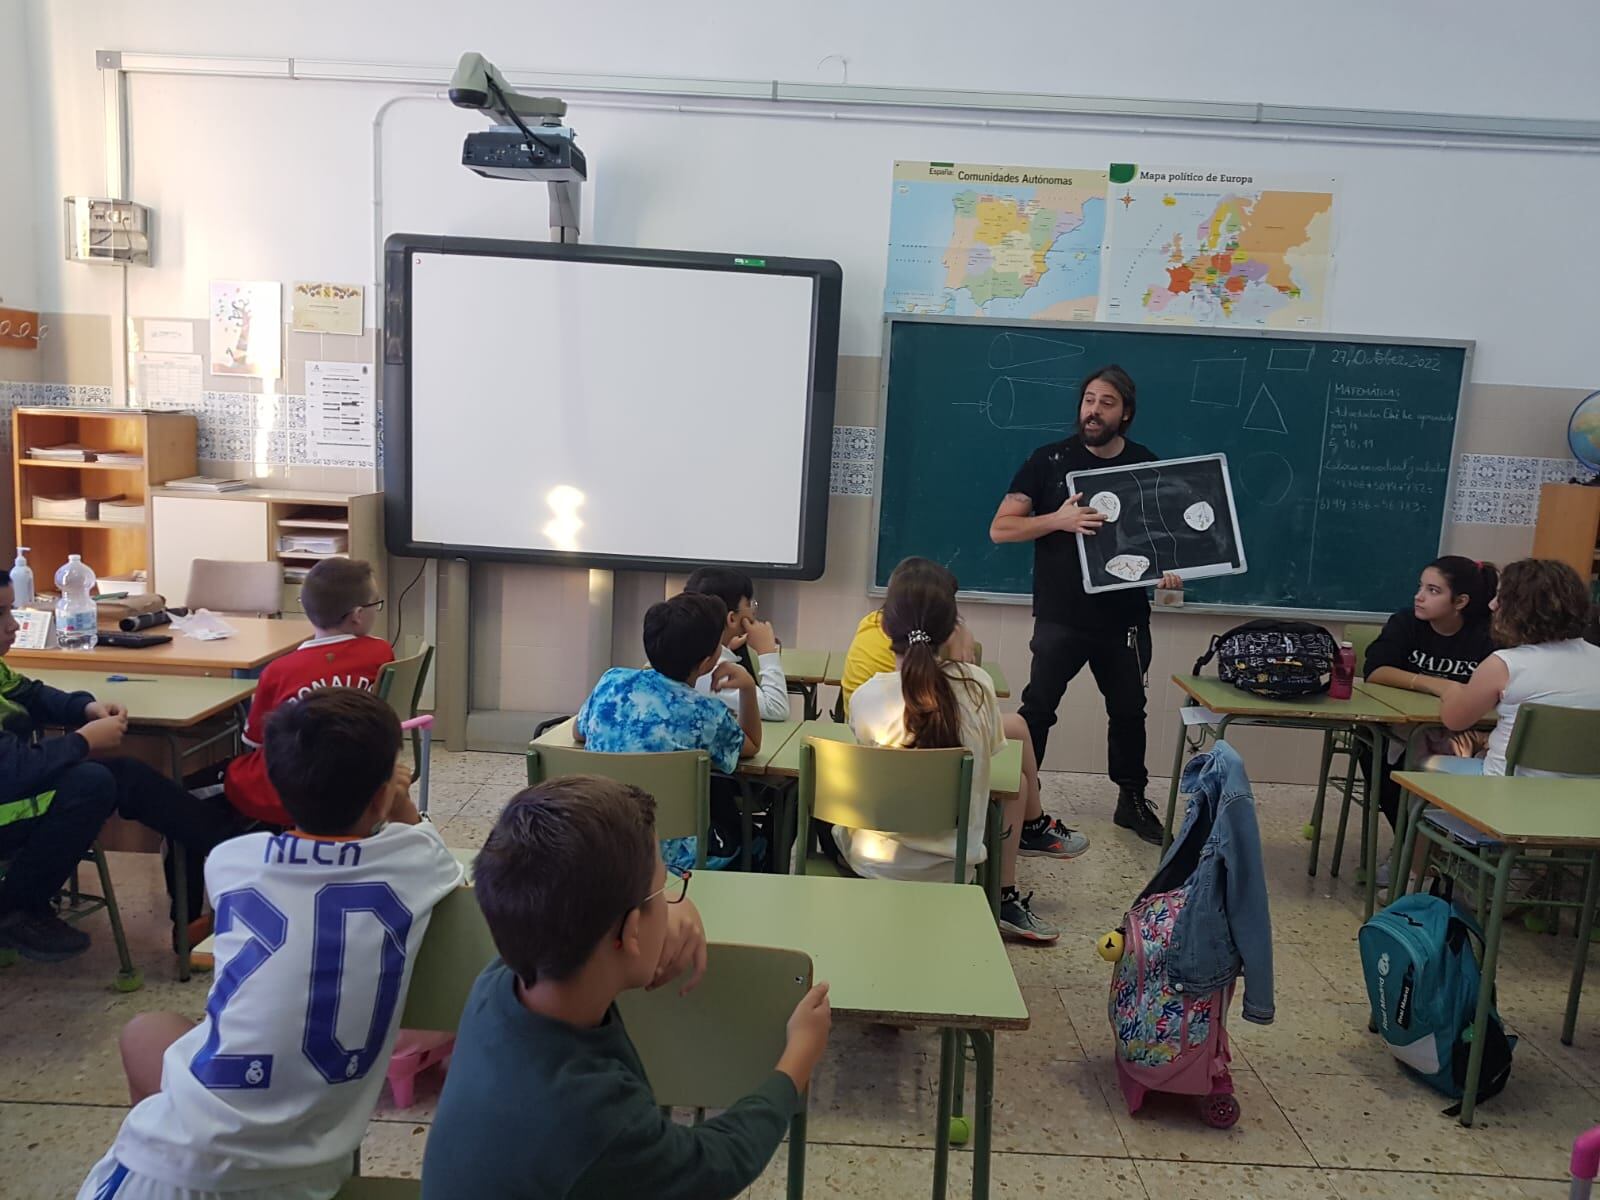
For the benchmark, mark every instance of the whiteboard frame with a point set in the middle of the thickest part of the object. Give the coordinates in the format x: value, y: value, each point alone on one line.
x: 875, y: 589
x: 1206, y: 572
x: 395, y: 366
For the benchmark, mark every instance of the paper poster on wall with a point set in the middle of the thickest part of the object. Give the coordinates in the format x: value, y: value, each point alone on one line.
x: 327, y: 308
x: 168, y: 337
x: 168, y: 380
x: 1217, y: 246
x: 246, y: 329
x: 968, y: 240
x: 339, y: 411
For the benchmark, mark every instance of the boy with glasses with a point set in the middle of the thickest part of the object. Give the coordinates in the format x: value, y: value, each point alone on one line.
x: 546, y: 1095
x: 340, y: 599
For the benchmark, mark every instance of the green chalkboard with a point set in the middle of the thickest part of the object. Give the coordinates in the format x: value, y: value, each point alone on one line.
x: 1339, y: 448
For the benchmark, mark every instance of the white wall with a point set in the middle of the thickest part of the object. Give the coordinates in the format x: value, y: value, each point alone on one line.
x: 20, y: 117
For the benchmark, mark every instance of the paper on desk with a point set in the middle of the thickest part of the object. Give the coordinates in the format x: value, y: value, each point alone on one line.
x: 1194, y: 714
x: 204, y: 626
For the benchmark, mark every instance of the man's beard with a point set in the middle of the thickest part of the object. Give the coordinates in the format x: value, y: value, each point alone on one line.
x: 1100, y: 434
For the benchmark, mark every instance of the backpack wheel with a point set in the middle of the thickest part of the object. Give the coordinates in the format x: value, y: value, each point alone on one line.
x: 960, y: 1131
x: 1221, y: 1111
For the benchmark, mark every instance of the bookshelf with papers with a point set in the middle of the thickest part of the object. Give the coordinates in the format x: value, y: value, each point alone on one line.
x: 82, y: 479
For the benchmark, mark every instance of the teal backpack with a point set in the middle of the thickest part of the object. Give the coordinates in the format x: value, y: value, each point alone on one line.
x: 1422, y: 983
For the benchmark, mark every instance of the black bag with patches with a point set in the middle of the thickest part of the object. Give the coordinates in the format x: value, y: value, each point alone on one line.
x: 1276, y: 659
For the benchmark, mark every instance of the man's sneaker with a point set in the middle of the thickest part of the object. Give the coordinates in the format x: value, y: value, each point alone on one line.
x: 1051, y: 839
x: 1017, y: 919
x: 1135, y: 812
x: 41, y: 936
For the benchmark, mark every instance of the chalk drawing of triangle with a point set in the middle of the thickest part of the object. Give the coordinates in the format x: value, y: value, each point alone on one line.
x: 1010, y: 350
x: 1265, y: 416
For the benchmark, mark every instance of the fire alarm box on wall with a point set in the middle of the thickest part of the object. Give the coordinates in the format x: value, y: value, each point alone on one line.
x: 107, y: 231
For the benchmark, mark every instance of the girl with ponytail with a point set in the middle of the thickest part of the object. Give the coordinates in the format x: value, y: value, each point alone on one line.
x: 928, y: 702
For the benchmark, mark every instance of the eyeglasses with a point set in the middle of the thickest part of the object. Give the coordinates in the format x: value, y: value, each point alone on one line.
x: 376, y: 605
x: 675, y: 888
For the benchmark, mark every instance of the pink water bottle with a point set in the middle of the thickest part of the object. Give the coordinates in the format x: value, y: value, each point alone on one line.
x: 1344, y: 672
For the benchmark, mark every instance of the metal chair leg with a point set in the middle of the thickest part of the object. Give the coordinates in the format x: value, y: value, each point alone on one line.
x: 1591, y: 890
x: 1491, y: 958
x: 1317, y: 806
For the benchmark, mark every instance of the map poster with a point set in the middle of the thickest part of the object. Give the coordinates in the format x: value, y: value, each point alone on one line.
x: 1218, y: 246
x: 1018, y: 243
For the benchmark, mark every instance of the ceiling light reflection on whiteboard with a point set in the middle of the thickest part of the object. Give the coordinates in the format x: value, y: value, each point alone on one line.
x: 563, y: 526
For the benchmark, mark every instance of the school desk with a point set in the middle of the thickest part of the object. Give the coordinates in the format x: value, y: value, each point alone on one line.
x: 257, y: 642
x: 188, y: 715
x: 1516, y: 814
x: 1360, y: 713
x: 805, y: 669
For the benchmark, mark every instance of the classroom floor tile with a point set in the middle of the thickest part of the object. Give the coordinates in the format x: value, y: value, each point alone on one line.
x: 1326, y: 1113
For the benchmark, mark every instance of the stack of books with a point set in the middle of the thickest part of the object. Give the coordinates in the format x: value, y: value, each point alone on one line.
x: 67, y: 452
x: 65, y: 508
x: 122, y: 511
x: 306, y: 543
x: 206, y: 483
x: 119, y: 458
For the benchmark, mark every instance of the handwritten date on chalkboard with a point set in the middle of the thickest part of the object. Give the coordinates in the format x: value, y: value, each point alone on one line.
x: 1385, y: 356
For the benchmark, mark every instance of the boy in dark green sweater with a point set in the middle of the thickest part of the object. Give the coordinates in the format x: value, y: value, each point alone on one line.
x: 546, y: 1096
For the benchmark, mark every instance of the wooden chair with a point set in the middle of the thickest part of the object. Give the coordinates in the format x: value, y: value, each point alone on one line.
x: 717, y: 1044
x: 680, y: 781
x: 244, y: 589
x: 1352, y: 747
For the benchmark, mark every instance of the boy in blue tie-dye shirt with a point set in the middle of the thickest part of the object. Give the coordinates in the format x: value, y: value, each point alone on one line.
x: 659, y: 709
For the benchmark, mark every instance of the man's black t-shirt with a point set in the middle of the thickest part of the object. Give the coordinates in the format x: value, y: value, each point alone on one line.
x: 1058, y: 593
x: 1412, y: 645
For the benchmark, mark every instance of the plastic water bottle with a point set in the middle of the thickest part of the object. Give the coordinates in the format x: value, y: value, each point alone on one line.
x: 21, y: 580
x: 1344, y: 673
x: 77, y: 622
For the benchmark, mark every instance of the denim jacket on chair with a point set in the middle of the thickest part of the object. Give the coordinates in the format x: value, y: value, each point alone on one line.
x: 1224, y: 929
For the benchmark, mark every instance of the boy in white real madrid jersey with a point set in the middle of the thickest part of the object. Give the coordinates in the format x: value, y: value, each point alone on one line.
x: 316, y: 933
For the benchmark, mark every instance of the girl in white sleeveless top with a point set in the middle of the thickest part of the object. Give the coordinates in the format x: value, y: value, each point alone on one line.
x: 1540, y: 615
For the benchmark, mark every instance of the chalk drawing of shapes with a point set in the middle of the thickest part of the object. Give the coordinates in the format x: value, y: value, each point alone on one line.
x: 1031, y: 404
x: 1266, y: 477
x: 1010, y: 350
x: 1218, y: 382
x: 1265, y: 416
x: 1290, y: 358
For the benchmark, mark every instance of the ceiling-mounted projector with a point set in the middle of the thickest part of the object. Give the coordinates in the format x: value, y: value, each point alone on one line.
x: 545, y: 151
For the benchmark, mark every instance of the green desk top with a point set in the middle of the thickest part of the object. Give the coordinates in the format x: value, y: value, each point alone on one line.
x: 775, y: 737
x: 1522, y: 809
x: 1418, y: 708
x: 1005, y: 770
x: 167, y: 701
x: 805, y: 666
x: 1224, y: 698
x: 922, y: 952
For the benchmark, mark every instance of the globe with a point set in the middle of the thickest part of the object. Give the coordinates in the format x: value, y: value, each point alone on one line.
x: 1583, y: 431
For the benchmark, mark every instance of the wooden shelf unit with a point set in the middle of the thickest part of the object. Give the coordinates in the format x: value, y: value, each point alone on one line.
x: 1569, y: 526
x: 245, y: 526
x: 165, y: 441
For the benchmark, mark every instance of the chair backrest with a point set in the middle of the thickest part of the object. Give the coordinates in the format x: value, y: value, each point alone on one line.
x: 977, y: 654
x: 453, y: 953
x: 400, y: 682
x: 1549, y: 737
x: 680, y: 781
x: 250, y: 589
x: 888, y: 789
x: 715, y: 1045
x: 1361, y: 638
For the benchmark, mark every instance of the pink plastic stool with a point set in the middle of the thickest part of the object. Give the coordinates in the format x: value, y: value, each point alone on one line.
x: 415, y: 1050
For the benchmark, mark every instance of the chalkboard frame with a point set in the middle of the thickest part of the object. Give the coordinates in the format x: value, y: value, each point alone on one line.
x: 890, y: 320
x: 1075, y: 482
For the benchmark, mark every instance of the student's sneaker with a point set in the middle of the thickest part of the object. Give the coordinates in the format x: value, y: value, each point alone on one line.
x: 1136, y: 813
x: 41, y: 936
x: 1049, y: 838
x: 1018, y: 921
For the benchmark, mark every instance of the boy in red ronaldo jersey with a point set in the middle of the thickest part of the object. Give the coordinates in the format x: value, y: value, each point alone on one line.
x: 340, y: 597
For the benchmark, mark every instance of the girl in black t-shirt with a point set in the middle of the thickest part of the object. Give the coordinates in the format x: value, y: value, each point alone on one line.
x: 1434, y: 646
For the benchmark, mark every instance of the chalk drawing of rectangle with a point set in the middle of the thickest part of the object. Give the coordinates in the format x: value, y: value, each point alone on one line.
x: 1290, y: 358
x: 1218, y: 382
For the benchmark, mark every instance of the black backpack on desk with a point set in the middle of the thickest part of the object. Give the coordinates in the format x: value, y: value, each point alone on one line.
x: 1276, y: 659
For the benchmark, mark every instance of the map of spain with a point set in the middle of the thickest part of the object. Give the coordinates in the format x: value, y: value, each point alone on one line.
x: 1013, y: 242
x: 1213, y: 248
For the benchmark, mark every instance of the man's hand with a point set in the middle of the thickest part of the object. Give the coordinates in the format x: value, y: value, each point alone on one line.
x: 1073, y: 517
x: 684, y: 949
x: 732, y: 676
x: 808, y: 1036
x: 97, y: 710
x: 1171, y: 582
x: 761, y: 638
x: 104, y: 733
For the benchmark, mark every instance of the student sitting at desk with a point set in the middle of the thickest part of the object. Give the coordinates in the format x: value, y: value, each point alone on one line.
x: 1539, y: 618
x: 871, y: 654
x: 656, y: 709
x: 317, y: 931
x: 746, y: 640
x: 546, y: 1095
x: 1434, y: 647
x: 54, y: 799
x: 927, y: 703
